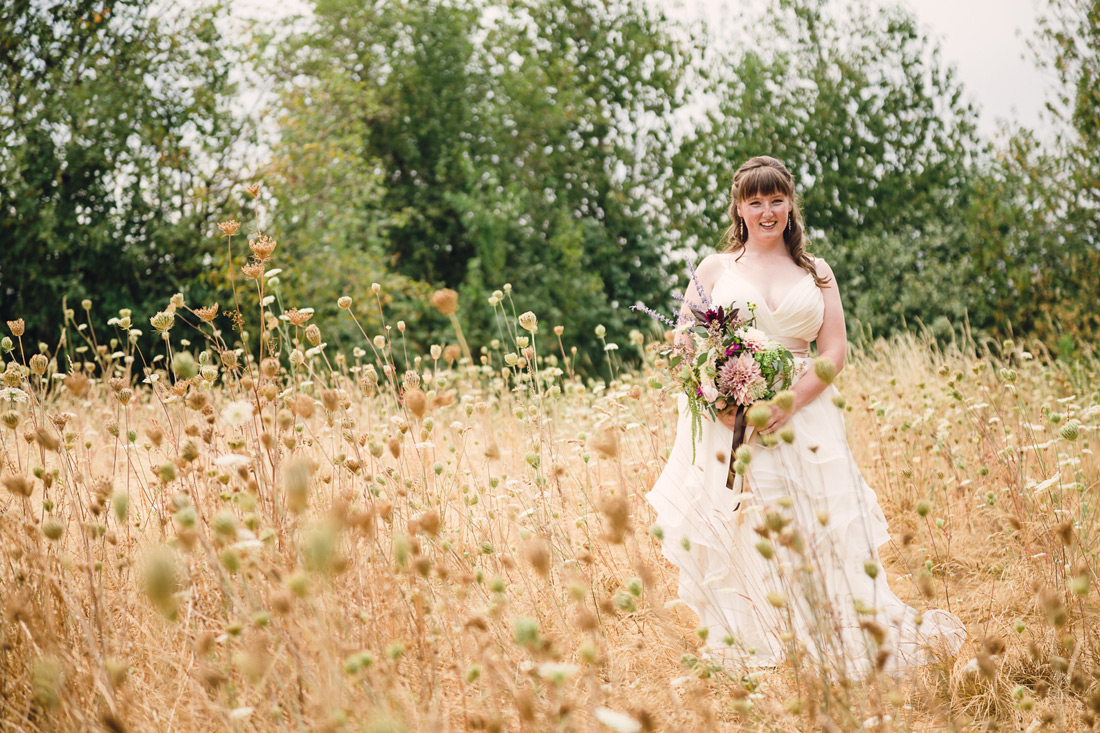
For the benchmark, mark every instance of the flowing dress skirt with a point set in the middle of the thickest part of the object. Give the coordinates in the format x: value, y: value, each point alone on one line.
x: 823, y: 589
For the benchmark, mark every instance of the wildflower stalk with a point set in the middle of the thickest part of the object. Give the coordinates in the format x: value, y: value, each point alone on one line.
x: 461, y: 338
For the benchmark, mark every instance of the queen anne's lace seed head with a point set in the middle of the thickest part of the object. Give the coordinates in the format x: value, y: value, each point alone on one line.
x: 207, y: 313
x: 445, y: 301
x: 529, y: 322
x: 163, y: 322
x: 253, y: 270
x: 229, y: 228
x: 262, y: 247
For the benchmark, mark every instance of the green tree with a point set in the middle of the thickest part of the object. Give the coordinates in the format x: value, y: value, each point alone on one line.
x: 525, y: 142
x: 114, y: 123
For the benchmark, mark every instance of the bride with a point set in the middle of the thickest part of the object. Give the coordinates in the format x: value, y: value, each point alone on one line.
x: 787, y: 562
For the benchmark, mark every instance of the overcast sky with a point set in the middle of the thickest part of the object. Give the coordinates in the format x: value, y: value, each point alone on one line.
x: 985, y: 39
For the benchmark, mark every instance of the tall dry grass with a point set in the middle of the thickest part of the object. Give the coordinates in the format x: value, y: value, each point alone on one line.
x: 211, y: 539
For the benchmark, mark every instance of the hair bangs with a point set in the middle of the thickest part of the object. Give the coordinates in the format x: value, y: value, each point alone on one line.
x: 764, y: 181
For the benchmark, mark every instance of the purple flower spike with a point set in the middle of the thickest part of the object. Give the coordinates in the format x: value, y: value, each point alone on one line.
x: 694, y: 279
x: 654, y: 314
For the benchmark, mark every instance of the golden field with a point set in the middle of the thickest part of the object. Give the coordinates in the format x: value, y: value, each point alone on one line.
x: 209, y: 539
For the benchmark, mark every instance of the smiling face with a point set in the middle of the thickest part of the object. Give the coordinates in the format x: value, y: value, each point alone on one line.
x: 765, y: 216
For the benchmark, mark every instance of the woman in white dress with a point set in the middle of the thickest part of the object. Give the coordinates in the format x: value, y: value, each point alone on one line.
x: 786, y: 561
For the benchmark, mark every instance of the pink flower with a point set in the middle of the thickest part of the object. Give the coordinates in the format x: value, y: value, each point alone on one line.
x: 754, y: 338
x: 741, y: 379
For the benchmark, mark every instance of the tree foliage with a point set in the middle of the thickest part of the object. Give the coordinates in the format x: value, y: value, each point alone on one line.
x: 572, y: 148
x: 113, y: 119
x: 523, y: 142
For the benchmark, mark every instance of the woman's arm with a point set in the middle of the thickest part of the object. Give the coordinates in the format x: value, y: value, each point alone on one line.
x: 832, y: 343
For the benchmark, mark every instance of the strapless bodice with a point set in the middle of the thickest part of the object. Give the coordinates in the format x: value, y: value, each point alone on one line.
x: 796, y: 319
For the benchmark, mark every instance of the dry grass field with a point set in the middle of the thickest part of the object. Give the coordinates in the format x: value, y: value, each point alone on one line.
x: 382, y: 541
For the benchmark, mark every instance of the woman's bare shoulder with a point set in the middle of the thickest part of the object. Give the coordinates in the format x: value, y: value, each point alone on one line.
x: 823, y: 269
x: 714, y: 263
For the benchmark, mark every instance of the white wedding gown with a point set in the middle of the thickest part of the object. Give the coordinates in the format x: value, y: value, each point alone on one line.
x: 758, y: 610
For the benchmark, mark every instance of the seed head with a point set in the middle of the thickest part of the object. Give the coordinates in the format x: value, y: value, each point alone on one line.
x: 416, y: 401
x: 601, y: 331
x: 758, y: 415
x: 297, y: 317
x: 176, y: 301
x: 39, y: 364
x: 270, y: 367
x: 237, y: 413
x: 86, y: 304
x: 53, y: 529
x: 229, y: 228
x: 344, y: 303
x: 296, y: 476
x: 526, y: 631
x: 13, y: 375
x: 304, y: 406
x: 18, y: 485
x: 529, y: 322
x: 825, y: 369
x: 375, y: 288
x: 262, y: 247
x: 445, y: 301
x: 120, y: 503
x: 16, y: 327
x: 207, y: 313
x: 254, y: 270
x: 163, y: 322
x: 785, y: 401
x: 47, y: 681
x: 160, y: 578
x: 313, y: 334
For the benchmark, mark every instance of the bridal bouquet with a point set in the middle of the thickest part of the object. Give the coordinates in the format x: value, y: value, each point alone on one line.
x: 720, y: 359
x: 724, y: 361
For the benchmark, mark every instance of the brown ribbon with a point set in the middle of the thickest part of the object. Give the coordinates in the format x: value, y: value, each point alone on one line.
x: 738, y: 439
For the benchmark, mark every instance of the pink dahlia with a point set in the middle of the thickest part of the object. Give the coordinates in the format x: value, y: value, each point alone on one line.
x: 741, y: 379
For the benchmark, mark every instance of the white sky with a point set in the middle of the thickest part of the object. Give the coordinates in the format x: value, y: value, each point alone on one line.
x: 985, y: 39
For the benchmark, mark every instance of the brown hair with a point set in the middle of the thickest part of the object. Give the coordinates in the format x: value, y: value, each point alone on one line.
x: 766, y: 175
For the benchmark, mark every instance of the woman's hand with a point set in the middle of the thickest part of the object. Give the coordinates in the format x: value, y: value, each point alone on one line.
x: 776, y: 419
x: 728, y: 417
